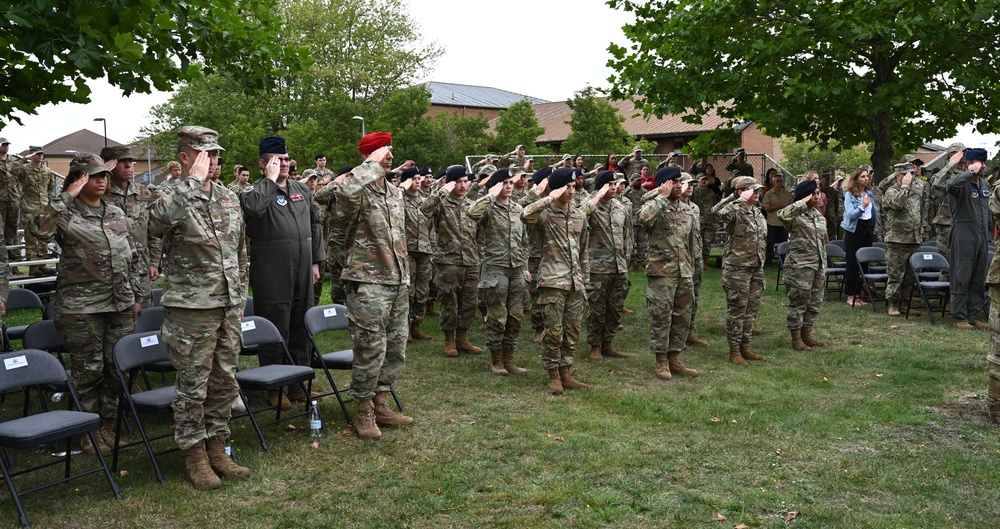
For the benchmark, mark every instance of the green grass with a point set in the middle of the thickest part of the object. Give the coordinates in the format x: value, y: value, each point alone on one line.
x: 885, y: 427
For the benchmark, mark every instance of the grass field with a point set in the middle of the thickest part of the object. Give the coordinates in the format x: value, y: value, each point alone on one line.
x: 885, y: 427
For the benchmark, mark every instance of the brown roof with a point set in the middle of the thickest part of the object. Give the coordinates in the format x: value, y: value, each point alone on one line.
x: 553, y: 117
x: 82, y: 140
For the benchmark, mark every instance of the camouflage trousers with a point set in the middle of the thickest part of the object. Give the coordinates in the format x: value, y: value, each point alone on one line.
x: 318, y: 286
x: 503, y: 288
x: 562, y: 311
x: 378, y: 329
x: 707, y: 239
x: 899, y: 287
x: 993, y: 358
x: 33, y: 247
x: 943, y: 239
x: 537, y: 322
x: 458, y: 291
x: 606, y: 295
x: 806, y: 289
x: 669, y: 300
x: 90, y: 339
x: 203, y: 345
x: 744, y: 289
x: 337, y: 293
x: 833, y: 230
x: 421, y: 272
x: 10, y: 212
x: 641, y: 244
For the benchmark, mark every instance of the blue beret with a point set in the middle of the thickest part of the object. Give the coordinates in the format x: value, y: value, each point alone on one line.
x: 975, y: 155
x: 667, y: 173
x: 603, y: 178
x: 541, y: 174
x: 345, y: 169
x: 440, y: 173
x: 561, y: 178
x: 577, y: 172
x: 273, y: 144
x: 805, y: 189
x: 426, y: 171
x: 497, y: 177
x: 408, y: 174
x: 455, y: 172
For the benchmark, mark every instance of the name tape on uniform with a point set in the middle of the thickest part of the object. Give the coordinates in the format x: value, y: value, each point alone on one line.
x: 332, y: 311
x: 15, y: 362
x: 148, y: 341
x: 248, y: 325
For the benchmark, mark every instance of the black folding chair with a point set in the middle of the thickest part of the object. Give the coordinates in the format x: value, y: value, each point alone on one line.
x: 33, y: 368
x: 869, y: 258
x: 930, y: 264
x: 258, y: 331
x: 836, y: 267
x: 20, y: 299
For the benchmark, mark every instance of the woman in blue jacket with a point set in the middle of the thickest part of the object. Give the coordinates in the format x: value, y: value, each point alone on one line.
x: 859, y: 226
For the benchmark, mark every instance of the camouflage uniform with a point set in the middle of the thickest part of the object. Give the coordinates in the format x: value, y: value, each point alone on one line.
x: 905, y: 223
x: 670, y: 290
x: 95, y: 292
x: 534, y: 262
x: 805, y: 264
x: 630, y: 166
x: 336, y: 252
x: 10, y: 198
x: 205, y: 252
x: 743, y: 167
x: 38, y: 186
x: 705, y: 198
x: 697, y: 254
x: 562, y: 277
x: 237, y: 189
x: 421, y: 256
x: 834, y: 212
x: 742, y: 266
x: 502, y: 284
x: 134, y: 200
x: 993, y: 358
x: 641, y: 246
x: 376, y: 277
x: 609, y: 246
x: 456, y: 259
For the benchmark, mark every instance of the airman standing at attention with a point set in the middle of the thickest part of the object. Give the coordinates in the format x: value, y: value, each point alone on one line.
x: 609, y: 246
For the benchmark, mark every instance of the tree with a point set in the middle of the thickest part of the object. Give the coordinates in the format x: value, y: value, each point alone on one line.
x: 515, y: 126
x: 596, y: 126
x: 891, y: 73
x: 50, y: 48
x: 801, y: 156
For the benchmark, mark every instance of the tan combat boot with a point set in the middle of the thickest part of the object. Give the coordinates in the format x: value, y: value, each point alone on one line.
x: 747, y: 353
x: 539, y: 334
x: 735, y: 356
x: 497, y: 367
x: 694, y: 340
x: 677, y: 368
x: 107, y: 433
x: 663, y: 366
x: 365, y: 425
x: 508, y: 363
x: 430, y: 310
x: 384, y: 416
x: 418, y: 334
x: 797, y: 342
x: 555, y: 382
x: 807, y: 338
x: 222, y: 464
x: 894, y: 308
x: 449, y: 344
x: 567, y: 379
x: 88, y: 447
x: 463, y: 344
x: 199, y: 473
x: 595, y: 352
x: 610, y: 352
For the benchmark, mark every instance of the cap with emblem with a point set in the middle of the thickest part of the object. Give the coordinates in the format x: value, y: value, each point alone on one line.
x: 454, y: 173
x: 273, y: 145
x: 373, y: 142
x: 956, y: 147
x: 345, y: 169
x: 636, y: 149
x: 666, y: 174
x: 561, y: 178
x: 541, y: 174
x: 687, y: 177
x: 903, y: 167
x: 976, y: 155
x: 805, y: 189
x: 87, y: 163
x: 744, y: 182
x: 308, y: 173
x: 118, y: 152
x: 516, y: 169
x: 498, y: 176
x: 409, y: 173
x: 198, y: 138
x: 603, y: 178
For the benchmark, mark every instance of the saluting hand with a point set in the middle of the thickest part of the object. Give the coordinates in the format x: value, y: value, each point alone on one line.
x: 556, y: 193
x: 407, y: 184
x: 75, y: 188
x: 496, y: 189
x: 746, y: 193
x: 665, y: 188
x: 449, y: 186
x: 199, y: 168
x: 600, y: 193
x: 383, y: 156
x: 273, y: 168
x: 110, y: 164
x: 542, y: 188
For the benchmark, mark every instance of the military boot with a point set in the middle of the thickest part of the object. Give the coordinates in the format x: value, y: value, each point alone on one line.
x: 555, y: 382
x: 993, y: 393
x: 221, y: 463
x: 567, y: 379
x: 797, y: 342
x: 905, y: 306
x: 430, y: 310
x: 677, y: 368
x: 894, y: 308
x: 463, y: 344
x: 384, y: 416
x: 199, y: 473
x: 508, y: 363
x: 449, y: 344
x: 365, y: 425
x: 496, y: 366
x: 418, y: 334
x: 735, y: 356
x: 610, y: 352
x: 747, y: 353
x: 694, y: 340
x: 807, y: 338
x: 663, y: 366
x: 595, y: 352
x: 539, y: 334
x: 107, y: 433
x: 88, y: 447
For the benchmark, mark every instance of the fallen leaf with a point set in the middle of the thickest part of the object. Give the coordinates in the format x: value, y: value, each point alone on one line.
x: 438, y: 491
x: 825, y: 379
x: 879, y: 375
x: 472, y: 422
x: 894, y: 326
x: 345, y: 431
x: 289, y: 427
x: 916, y: 336
x: 777, y: 451
x: 548, y: 435
x: 716, y: 419
x: 559, y: 439
x: 791, y: 516
x: 734, y: 421
x: 314, y: 444
x: 123, y: 473
x: 742, y: 526
x: 719, y: 517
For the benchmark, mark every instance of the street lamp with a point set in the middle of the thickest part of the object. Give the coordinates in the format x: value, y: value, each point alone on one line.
x: 148, y: 178
x: 105, y: 129
x: 363, y: 133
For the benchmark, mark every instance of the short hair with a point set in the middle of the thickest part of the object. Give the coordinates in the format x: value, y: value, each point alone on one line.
x: 241, y: 168
x: 319, y: 155
x: 171, y: 165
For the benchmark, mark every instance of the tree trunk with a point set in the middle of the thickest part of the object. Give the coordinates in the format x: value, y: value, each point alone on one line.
x: 882, y: 156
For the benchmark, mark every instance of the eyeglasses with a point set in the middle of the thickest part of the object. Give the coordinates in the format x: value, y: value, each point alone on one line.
x: 286, y: 159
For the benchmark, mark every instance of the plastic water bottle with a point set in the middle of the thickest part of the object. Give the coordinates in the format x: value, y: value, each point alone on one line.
x: 229, y: 448
x: 315, y: 423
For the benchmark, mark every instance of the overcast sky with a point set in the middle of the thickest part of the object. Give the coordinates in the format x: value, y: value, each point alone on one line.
x: 542, y: 48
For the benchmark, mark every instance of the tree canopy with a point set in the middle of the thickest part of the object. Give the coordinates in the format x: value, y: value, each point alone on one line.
x: 892, y: 73
x: 49, y: 49
x: 801, y: 156
x: 515, y: 126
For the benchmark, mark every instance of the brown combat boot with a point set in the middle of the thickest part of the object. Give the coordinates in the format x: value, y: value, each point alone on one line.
x: 797, y: 342
x: 894, y: 308
x: 807, y: 338
x: 106, y: 434
x: 88, y: 447
x: 496, y: 367
x: 735, y: 356
x: 418, y: 334
x: 905, y: 306
x: 430, y: 310
x: 384, y: 416
x: 677, y: 368
x: 694, y: 340
x: 365, y: 425
x: 449, y: 344
x: 663, y: 366
x: 555, y: 382
x: 755, y: 332
x: 539, y: 334
x: 272, y: 401
x: 595, y: 352
x: 199, y: 473
x: 567, y: 379
x: 610, y: 352
x: 463, y: 344
x: 964, y: 326
x: 993, y: 393
x: 222, y: 464
x: 747, y: 353
x: 508, y: 363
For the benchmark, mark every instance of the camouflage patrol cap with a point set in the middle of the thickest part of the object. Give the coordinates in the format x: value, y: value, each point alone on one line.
x: 636, y: 149
x: 740, y: 150
x: 198, y: 138
x: 744, y: 182
x: 687, y: 177
x: 34, y: 149
x: 956, y: 147
x: 4, y: 141
x: 118, y: 152
x: 908, y: 158
x: 567, y: 157
x: 486, y: 170
x: 516, y: 169
x: 903, y: 167
x: 308, y: 173
x: 87, y: 163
